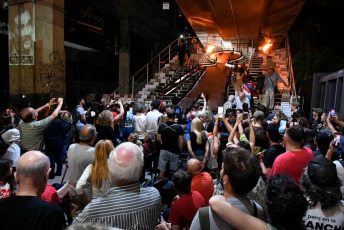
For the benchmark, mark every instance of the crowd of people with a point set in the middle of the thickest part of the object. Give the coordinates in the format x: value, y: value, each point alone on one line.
x: 240, y: 169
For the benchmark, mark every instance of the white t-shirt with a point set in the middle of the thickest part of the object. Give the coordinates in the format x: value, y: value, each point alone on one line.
x: 12, y: 137
x: 12, y: 154
x: 332, y: 218
x: 152, y: 121
x: 81, y: 113
x: 340, y: 174
x: 239, y: 102
x: 5, y: 191
x: 139, y: 124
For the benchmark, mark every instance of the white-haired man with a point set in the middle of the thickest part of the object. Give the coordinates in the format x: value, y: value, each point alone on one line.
x: 26, y: 210
x: 127, y: 206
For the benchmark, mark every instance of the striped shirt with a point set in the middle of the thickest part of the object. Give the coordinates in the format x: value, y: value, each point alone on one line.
x: 32, y: 134
x: 126, y: 207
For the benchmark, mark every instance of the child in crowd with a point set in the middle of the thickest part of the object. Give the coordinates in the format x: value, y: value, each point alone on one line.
x: 6, y: 179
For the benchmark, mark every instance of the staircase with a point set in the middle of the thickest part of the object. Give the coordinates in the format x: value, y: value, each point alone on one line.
x: 168, y: 75
x: 280, y: 57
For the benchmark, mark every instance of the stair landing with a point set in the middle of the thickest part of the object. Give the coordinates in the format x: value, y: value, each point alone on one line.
x: 212, y: 84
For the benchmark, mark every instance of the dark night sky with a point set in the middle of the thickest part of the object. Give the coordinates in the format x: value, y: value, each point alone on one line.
x: 323, y: 19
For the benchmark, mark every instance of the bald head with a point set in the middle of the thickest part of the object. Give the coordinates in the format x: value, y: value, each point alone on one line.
x: 242, y: 95
x: 87, y: 134
x: 32, y: 173
x: 32, y: 163
x: 194, y: 166
x: 125, y: 164
x: 28, y: 114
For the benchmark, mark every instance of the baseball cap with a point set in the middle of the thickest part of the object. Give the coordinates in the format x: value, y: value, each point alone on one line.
x: 258, y: 114
x: 318, y: 110
x: 270, y: 116
x: 322, y: 172
x: 295, y: 103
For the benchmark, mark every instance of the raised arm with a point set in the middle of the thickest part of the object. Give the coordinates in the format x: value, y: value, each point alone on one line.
x: 235, y: 216
x: 204, y: 103
x: 330, y: 151
x: 228, y: 126
x: 339, y: 122
x: 252, y: 136
x: 215, y: 135
x: 56, y: 112
x: 121, y: 113
x: 232, y: 134
x: 47, y: 106
x: 329, y: 124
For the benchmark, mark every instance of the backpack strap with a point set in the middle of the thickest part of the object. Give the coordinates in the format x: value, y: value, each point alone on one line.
x: 255, y: 212
x: 204, y: 218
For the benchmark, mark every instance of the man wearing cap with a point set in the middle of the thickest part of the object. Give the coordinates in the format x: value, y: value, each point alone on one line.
x: 258, y: 119
x: 321, y: 187
x: 295, y: 106
x: 201, y: 182
x: 270, y: 83
x: 240, y: 100
x: 296, y: 158
x: 317, y: 112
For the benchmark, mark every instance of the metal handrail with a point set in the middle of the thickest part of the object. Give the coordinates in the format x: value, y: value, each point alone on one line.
x: 290, y: 68
x: 145, y: 70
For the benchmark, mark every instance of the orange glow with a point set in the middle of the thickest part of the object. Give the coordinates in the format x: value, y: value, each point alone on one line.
x: 267, y: 45
x: 210, y: 49
x: 212, y: 56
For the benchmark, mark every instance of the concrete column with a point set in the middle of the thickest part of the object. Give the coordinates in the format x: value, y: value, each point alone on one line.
x: 124, y: 56
x: 155, y: 50
x: 36, y: 49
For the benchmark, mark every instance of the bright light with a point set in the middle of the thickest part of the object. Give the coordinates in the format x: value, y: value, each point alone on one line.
x: 181, y: 36
x: 210, y: 49
x: 267, y: 45
x: 212, y: 56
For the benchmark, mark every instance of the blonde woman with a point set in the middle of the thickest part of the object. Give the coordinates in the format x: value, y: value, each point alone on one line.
x: 197, y: 141
x: 134, y: 138
x: 97, y: 173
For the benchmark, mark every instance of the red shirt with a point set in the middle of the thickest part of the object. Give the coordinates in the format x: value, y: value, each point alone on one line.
x: 292, y: 163
x: 50, y: 195
x: 203, y: 183
x: 184, y: 209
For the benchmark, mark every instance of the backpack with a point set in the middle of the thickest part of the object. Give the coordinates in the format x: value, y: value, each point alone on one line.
x: 75, y: 115
x: 179, y: 114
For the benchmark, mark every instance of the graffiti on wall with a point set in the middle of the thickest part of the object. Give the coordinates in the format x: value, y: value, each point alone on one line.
x: 51, y: 75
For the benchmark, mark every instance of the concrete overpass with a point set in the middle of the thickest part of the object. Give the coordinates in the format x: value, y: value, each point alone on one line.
x: 229, y: 22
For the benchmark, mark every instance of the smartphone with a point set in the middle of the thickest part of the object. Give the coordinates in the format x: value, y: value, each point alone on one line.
x: 336, y: 140
x: 282, y: 126
x: 220, y: 110
x: 245, y: 116
x: 333, y: 112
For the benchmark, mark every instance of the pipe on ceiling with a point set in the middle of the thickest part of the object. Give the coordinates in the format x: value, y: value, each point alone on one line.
x: 235, y: 24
